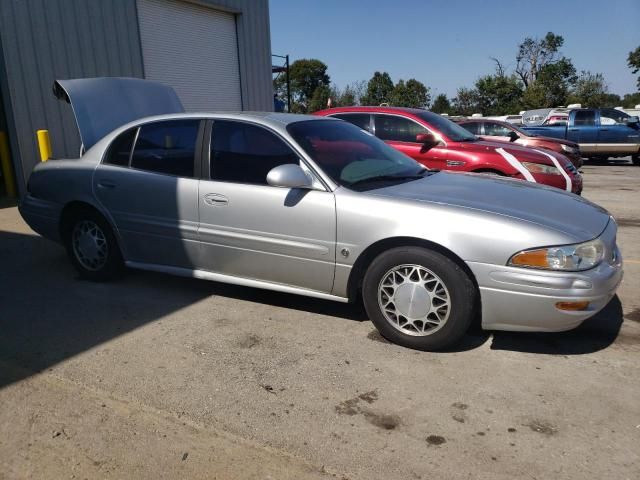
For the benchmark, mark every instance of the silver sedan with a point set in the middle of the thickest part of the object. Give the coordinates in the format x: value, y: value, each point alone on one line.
x: 317, y: 207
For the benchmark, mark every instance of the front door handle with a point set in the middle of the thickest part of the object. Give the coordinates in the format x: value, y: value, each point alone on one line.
x: 106, y: 184
x: 216, y: 200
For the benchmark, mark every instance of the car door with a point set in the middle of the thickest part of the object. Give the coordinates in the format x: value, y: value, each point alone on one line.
x: 252, y: 230
x: 584, y: 130
x: 615, y: 135
x: 400, y: 133
x: 148, y: 183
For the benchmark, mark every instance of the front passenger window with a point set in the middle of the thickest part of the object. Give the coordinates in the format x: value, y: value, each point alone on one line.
x: 167, y: 147
x: 245, y: 153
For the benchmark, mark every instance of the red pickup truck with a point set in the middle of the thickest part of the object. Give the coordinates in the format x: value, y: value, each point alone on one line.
x: 438, y: 143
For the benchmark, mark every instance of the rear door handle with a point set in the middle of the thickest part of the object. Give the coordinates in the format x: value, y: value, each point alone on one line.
x: 106, y: 184
x: 216, y: 200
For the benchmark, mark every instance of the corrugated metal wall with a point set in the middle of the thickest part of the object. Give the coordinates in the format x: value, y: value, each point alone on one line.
x: 44, y: 40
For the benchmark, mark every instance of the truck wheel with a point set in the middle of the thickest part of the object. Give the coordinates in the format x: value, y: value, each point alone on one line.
x: 418, y: 298
x: 92, y: 247
x: 636, y: 159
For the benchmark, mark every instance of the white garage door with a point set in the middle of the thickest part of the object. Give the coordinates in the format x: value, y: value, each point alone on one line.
x: 194, y: 49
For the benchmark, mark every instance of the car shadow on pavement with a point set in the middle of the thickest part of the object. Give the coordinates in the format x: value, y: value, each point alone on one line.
x: 49, y: 314
x: 596, y: 333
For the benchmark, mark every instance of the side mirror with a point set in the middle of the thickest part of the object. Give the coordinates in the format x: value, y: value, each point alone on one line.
x: 513, y: 136
x: 632, y: 119
x: 289, y: 176
x: 426, y: 138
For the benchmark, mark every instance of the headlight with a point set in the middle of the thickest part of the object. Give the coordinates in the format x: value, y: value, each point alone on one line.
x: 568, y: 148
x: 541, y: 168
x: 571, y: 258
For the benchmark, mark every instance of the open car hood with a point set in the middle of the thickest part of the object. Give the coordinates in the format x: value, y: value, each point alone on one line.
x: 103, y: 104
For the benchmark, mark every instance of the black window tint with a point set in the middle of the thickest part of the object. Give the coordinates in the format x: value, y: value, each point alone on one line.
x: 244, y: 153
x: 120, y: 149
x: 361, y: 120
x: 167, y: 147
x: 496, y: 130
x: 397, y: 129
x: 585, y: 118
x: 473, y: 127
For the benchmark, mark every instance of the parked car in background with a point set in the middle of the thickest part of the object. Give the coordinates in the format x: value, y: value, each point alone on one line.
x: 514, y: 119
x: 600, y: 132
x: 495, y: 130
x: 439, y: 143
x: 318, y: 207
x: 545, y: 116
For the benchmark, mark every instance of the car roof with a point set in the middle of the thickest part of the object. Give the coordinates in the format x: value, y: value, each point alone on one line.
x: 381, y: 109
x: 270, y: 118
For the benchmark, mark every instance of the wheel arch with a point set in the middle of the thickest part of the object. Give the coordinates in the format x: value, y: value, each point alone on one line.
x: 74, y: 207
x: 356, y: 276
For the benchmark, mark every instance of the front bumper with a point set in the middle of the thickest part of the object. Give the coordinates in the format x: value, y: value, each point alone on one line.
x: 520, y: 299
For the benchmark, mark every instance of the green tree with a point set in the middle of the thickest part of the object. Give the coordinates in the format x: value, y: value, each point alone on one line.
x: 379, y: 89
x: 633, y: 61
x: 630, y: 100
x: 441, y: 104
x: 551, y: 86
x: 535, y: 54
x: 412, y: 94
x: 590, y: 90
x: 466, y: 102
x: 306, y: 75
x: 499, y: 94
x: 319, y: 99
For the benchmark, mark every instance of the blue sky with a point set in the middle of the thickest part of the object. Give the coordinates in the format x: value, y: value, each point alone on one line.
x: 447, y: 44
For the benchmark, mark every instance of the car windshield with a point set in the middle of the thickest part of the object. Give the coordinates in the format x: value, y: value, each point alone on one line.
x: 449, y: 129
x: 352, y: 157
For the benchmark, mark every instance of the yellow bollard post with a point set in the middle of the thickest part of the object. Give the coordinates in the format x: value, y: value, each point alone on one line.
x: 44, y: 144
x: 7, y: 169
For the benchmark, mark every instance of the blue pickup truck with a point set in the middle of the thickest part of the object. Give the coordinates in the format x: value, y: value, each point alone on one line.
x: 600, y: 132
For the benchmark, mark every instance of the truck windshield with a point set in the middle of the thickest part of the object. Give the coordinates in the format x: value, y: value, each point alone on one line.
x: 449, y: 129
x: 352, y: 157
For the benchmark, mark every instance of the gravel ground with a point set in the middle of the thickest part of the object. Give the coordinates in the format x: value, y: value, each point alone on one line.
x: 162, y: 377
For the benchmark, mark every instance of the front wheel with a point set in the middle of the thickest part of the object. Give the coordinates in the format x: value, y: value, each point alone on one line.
x: 419, y: 298
x: 92, y: 246
x: 636, y: 159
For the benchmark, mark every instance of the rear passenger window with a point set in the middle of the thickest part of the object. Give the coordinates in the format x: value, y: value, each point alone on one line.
x: 245, y: 153
x: 397, y: 129
x: 167, y: 147
x: 361, y: 120
x: 120, y: 149
x: 585, y: 118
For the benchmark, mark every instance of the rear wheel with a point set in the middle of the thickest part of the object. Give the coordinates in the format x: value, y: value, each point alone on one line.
x: 91, y: 246
x: 419, y: 298
x: 636, y: 159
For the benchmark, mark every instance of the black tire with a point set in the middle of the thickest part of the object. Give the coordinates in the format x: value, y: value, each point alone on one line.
x: 636, y: 159
x: 462, y: 295
x: 110, y: 263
